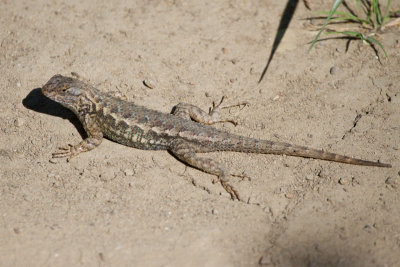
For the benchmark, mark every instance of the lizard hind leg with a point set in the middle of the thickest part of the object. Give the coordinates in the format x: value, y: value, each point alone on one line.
x: 207, y: 165
x: 195, y: 113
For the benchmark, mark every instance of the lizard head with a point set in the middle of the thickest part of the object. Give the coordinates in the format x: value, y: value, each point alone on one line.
x: 64, y: 90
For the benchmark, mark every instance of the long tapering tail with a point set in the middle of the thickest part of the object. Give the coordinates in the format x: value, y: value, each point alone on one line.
x: 251, y: 145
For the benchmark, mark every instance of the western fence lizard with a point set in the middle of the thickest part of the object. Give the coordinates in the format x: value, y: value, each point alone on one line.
x: 184, y: 133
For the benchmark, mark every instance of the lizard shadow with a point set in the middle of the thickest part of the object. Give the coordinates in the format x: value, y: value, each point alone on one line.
x: 37, y: 102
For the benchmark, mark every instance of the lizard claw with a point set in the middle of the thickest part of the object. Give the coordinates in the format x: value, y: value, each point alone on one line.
x: 220, y: 102
x: 232, y: 191
x: 66, y: 151
x: 242, y: 175
x: 243, y: 103
x: 216, y: 107
x: 214, y: 112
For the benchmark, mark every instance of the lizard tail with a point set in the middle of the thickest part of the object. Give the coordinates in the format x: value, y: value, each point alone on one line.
x: 251, y: 145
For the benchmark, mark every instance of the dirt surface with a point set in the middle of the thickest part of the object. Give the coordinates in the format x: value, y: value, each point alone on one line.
x: 118, y: 206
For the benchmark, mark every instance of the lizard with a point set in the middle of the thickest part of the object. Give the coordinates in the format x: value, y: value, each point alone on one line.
x: 185, y: 132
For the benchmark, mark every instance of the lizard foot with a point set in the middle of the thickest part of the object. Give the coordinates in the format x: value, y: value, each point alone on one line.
x: 232, y: 191
x: 216, y: 108
x: 242, y: 175
x: 67, y: 151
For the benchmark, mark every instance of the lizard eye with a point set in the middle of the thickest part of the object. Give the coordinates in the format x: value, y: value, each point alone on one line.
x: 74, y: 91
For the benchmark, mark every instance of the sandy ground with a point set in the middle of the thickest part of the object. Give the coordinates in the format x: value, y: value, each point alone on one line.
x: 118, y: 206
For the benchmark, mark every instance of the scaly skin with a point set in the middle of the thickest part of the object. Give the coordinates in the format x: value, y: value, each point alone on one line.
x: 184, y: 133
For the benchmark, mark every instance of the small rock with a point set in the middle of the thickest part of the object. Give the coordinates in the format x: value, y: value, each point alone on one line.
x: 129, y: 172
x: 310, y: 177
x: 276, y: 97
x: 19, y: 122
x: 392, y: 182
x: 343, y: 181
x: 18, y: 84
x: 289, y: 195
x: 333, y: 70
x: 149, y: 83
x: 397, y: 44
x: 265, y: 260
x: 54, y: 161
x: 215, y: 212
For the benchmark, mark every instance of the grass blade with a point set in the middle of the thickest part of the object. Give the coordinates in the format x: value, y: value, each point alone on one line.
x: 344, y: 16
x: 377, y: 12
x: 387, y: 8
x: 348, y: 33
x: 371, y: 40
x: 334, y: 7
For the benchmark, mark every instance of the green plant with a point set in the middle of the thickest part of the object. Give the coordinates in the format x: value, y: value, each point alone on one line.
x: 374, y: 19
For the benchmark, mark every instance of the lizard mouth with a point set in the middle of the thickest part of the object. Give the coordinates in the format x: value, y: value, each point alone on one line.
x: 46, y: 91
x: 50, y: 88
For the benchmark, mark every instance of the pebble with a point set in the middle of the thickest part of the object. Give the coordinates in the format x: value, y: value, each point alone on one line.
x: 54, y: 161
x: 333, y: 70
x: 392, y: 182
x: 149, y: 83
x: 129, y: 172
x: 343, y: 181
x: 214, y: 211
x: 19, y: 122
x: 276, y: 97
x: 265, y: 260
x: 289, y: 195
x: 397, y: 44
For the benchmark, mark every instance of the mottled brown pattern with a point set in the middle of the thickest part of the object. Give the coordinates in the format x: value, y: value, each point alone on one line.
x: 139, y: 127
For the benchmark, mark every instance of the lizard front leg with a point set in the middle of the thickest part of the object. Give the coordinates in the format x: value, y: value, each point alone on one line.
x: 185, y: 152
x: 189, y: 111
x: 71, y: 151
x: 94, y: 139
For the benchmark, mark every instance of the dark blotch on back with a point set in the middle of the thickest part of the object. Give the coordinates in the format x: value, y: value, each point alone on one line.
x: 158, y: 123
x: 122, y: 125
x: 144, y: 119
x: 110, y: 119
x: 126, y: 113
x: 114, y: 109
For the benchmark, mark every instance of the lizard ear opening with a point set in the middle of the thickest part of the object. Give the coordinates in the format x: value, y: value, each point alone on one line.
x: 74, y: 91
